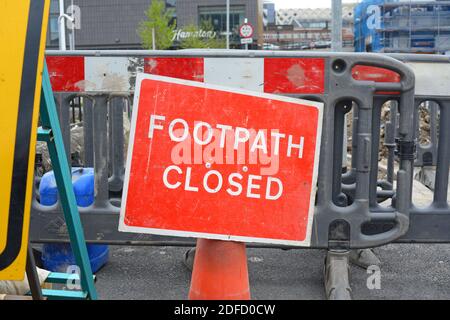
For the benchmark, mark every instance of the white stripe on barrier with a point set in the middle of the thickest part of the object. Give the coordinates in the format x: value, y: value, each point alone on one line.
x: 432, y: 79
x: 242, y: 73
x: 107, y: 74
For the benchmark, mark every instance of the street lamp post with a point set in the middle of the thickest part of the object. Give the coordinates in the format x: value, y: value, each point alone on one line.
x: 336, y: 29
x: 61, y: 27
x: 228, y: 24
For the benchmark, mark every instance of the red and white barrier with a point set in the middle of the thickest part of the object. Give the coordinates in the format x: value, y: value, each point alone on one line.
x: 113, y: 74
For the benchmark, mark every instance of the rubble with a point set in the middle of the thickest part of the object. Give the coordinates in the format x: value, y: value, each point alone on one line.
x: 424, y: 132
x: 43, y: 163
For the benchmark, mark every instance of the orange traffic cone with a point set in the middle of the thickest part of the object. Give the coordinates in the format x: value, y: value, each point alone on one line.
x: 220, y: 271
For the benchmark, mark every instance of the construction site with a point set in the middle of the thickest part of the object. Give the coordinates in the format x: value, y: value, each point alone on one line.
x: 402, y: 26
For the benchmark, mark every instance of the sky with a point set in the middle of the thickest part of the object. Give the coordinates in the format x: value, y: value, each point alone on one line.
x: 287, y: 4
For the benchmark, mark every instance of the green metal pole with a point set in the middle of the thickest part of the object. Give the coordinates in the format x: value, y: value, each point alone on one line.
x: 49, y: 120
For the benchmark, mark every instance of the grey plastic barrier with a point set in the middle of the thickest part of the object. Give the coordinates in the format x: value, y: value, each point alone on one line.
x: 429, y: 224
x: 433, y: 83
x: 344, y: 206
x: 432, y: 223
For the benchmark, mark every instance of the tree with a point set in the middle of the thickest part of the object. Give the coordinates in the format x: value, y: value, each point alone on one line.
x: 195, y: 40
x: 158, y: 18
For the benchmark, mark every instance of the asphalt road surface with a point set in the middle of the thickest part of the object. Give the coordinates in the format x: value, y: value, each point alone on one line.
x: 408, y: 272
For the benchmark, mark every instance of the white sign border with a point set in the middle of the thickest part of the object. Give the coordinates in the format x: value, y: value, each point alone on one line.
x: 178, y: 233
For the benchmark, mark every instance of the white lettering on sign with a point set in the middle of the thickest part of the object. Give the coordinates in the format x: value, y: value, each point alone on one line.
x: 180, y: 34
x: 221, y: 140
x: 212, y: 182
x: 153, y: 125
x: 241, y: 135
x: 197, y: 140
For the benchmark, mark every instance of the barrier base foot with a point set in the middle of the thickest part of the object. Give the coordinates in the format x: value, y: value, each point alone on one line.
x: 188, y: 259
x: 336, y: 276
x: 364, y: 258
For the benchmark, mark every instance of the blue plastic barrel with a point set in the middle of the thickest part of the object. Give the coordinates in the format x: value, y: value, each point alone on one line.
x: 57, y: 257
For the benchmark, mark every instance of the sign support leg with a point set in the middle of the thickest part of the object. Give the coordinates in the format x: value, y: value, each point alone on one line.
x: 50, y: 132
x: 32, y: 276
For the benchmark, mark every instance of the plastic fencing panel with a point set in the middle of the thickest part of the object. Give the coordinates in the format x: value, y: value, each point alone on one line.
x: 431, y: 223
x: 344, y: 203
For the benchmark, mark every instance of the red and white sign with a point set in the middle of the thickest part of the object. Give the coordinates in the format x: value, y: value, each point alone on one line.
x: 214, y: 162
x: 246, y: 30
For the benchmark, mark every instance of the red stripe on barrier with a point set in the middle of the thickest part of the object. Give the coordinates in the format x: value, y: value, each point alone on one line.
x: 181, y: 68
x: 294, y: 75
x: 376, y: 74
x: 66, y: 73
x: 369, y: 73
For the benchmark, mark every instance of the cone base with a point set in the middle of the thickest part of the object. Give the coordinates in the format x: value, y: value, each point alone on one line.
x: 220, y: 271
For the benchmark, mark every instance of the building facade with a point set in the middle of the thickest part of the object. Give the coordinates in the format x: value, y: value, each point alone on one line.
x: 407, y: 26
x: 113, y: 24
x: 269, y: 13
x: 302, y: 29
x: 195, y: 11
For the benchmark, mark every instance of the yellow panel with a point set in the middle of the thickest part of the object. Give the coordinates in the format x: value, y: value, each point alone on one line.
x: 23, y: 26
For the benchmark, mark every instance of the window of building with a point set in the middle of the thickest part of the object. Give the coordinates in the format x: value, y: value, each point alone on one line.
x: 171, y: 3
x: 53, y: 23
x: 318, y: 25
x: 218, y: 17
